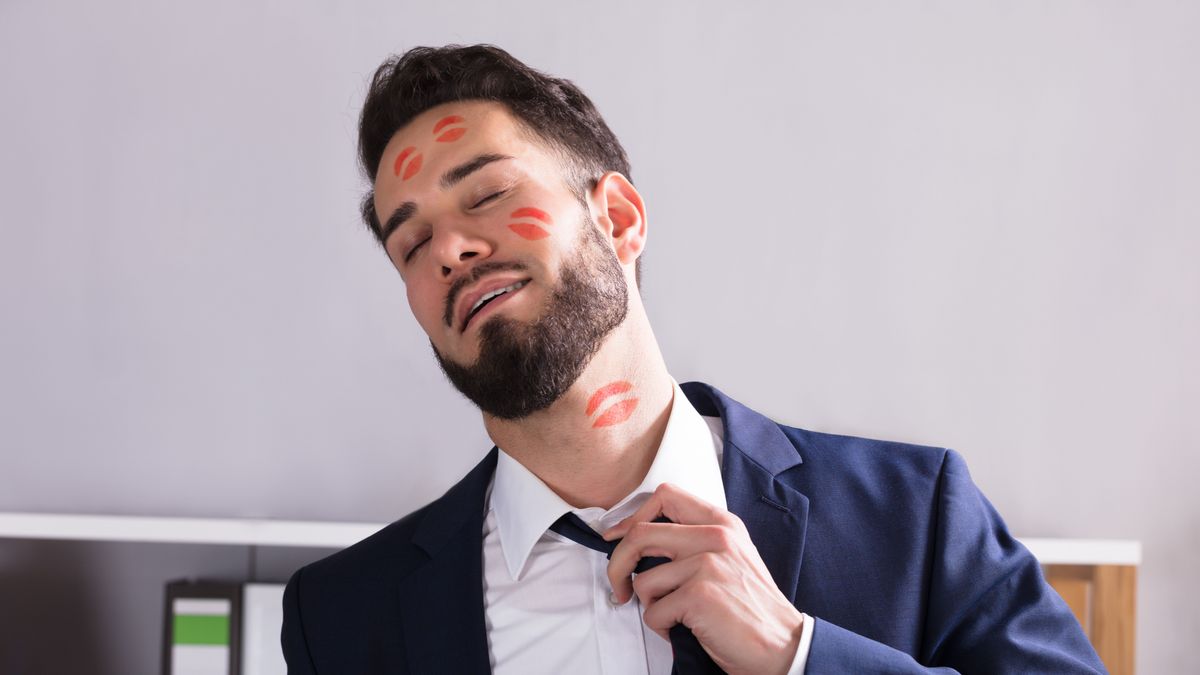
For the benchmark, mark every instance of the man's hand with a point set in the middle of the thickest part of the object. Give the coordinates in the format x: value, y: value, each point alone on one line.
x: 716, y: 584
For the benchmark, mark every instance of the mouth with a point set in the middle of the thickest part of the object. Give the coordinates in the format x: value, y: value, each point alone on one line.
x: 488, y: 302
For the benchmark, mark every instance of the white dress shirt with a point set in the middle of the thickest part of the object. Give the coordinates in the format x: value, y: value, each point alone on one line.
x: 548, y: 602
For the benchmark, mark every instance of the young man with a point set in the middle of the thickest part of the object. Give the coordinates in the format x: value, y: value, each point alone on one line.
x: 505, y: 203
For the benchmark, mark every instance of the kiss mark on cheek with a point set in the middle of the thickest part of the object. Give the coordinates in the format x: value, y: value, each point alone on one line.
x: 617, y: 412
x: 413, y: 167
x: 451, y: 135
x: 531, y: 231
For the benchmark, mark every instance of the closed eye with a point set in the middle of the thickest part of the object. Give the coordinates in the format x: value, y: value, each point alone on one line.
x: 488, y: 199
x: 413, y: 250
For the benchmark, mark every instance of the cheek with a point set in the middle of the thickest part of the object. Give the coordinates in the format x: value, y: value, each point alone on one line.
x: 531, y: 223
x: 529, y: 231
x: 424, y: 307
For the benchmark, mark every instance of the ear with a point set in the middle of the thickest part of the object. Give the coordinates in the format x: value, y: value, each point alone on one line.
x: 622, y: 215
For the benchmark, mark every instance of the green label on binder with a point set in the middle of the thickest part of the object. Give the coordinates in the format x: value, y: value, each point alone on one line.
x: 193, y: 629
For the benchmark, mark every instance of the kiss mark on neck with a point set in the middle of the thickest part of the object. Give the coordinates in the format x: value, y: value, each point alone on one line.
x: 615, y: 413
x: 451, y: 135
x: 413, y: 167
x: 531, y: 231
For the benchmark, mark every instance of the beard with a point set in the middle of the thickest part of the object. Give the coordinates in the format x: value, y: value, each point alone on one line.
x: 523, y: 367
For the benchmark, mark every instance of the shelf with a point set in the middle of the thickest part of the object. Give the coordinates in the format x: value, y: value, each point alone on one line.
x: 234, y: 531
x: 1085, y: 551
x: 319, y: 534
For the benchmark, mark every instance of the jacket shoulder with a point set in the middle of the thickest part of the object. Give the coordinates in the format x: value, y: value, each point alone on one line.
x: 861, y: 455
x: 396, y: 550
x: 390, y: 552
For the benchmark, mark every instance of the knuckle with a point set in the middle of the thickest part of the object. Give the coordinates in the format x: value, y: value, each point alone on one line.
x: 730, y: 519
x: 738, y: 524
x: 707, y: 591
x: 641, y: 585
x: 710, y: 562
x: 721, y: 538
x: 614, y: 576
x: 638, y: 530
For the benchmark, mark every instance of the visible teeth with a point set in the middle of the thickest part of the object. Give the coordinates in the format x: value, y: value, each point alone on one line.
x: 492, y: 294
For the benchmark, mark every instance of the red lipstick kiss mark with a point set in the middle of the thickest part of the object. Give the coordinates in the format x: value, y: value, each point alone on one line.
x: 413, y: 167
x: 530, y: 230
x: 451, y: 135
x: 610, y: 389
x: 445, y: 122
x: 617, y: 412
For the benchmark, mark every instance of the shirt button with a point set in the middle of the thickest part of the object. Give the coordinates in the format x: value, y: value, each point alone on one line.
x: 612, y: 599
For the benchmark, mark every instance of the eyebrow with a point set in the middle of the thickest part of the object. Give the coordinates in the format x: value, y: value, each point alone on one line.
x: 449, y: 179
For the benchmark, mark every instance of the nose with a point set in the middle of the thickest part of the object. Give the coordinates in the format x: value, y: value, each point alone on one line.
x: 458, y: 250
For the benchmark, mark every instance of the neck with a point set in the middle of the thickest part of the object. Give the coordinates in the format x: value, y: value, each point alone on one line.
x: 595, y: 444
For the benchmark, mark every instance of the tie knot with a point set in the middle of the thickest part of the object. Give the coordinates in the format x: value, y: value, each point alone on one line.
x: 572, y: 527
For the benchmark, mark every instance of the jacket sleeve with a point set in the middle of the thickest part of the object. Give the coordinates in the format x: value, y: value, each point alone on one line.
x: 295, y: 645
x: 988, y: 607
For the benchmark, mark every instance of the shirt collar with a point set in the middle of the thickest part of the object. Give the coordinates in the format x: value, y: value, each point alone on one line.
x: 525, y: 507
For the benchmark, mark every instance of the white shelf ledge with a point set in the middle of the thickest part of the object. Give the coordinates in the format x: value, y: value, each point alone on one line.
x: 1085, y: 551
x: 236, y: 531
x: 314, y: 534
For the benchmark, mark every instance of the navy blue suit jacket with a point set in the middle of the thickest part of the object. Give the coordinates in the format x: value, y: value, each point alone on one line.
x: 900, y: 559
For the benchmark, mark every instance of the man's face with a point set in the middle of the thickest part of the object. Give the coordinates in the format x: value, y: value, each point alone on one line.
x: 471, y: 208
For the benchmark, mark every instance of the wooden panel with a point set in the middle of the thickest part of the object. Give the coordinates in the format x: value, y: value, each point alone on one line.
x: 1077, y: 593
x: 1113, y: 616
x: 1103, y: 599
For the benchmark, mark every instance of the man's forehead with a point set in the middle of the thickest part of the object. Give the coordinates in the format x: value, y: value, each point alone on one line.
x: 445, y: 136
x: 442, y: 137
x: 450, y: 127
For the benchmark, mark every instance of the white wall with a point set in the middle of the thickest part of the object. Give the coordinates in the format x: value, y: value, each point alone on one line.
x: 962, y: 224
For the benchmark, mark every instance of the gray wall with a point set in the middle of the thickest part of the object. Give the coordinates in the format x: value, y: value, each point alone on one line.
x: 962, y: 224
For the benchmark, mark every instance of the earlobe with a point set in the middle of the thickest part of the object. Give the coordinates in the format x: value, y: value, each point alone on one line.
x: 623, y: 215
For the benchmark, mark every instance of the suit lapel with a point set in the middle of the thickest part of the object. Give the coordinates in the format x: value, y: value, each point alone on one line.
x: 442, y: 601
x: 756, y: 452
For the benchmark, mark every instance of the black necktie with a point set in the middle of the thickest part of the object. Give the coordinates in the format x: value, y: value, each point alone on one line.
x: 690, y: 657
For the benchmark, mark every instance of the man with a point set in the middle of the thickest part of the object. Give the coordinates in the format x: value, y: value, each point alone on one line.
x: 505, y: 203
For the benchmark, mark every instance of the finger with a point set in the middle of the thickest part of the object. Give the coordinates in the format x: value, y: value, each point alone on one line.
x: 667, y: 540
x: 677, y: 607
x: 663, y: 615
x: 675, y: 503
x: 655, y: 584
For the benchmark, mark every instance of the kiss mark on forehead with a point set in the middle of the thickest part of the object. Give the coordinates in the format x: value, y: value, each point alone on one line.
x: 530, y: 231
x: 445, y: 122
x: 413, y: 167
x: 451, y: 135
